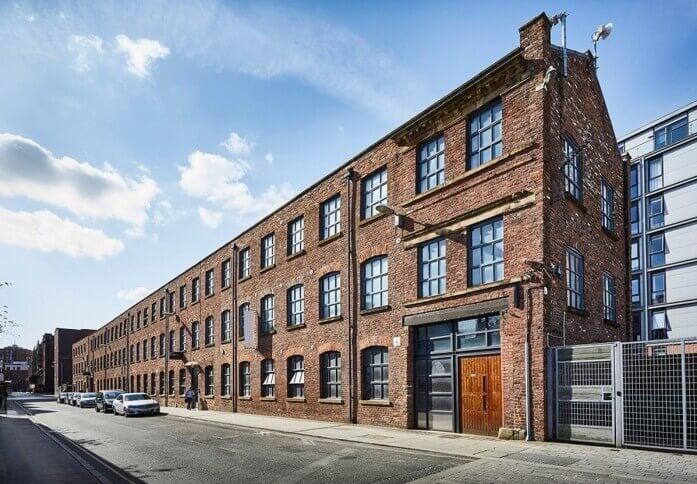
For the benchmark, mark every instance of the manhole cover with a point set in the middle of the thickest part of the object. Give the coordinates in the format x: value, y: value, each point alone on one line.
x: 542, y: 459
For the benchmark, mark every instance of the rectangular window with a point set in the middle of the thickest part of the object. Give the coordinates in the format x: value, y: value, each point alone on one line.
x: 210, y: 331
x: 182, y: 381
x: 172, y: 341
x: 225, y: 329
x: 268, y: 313
x: 243, y: 312
x: 163, y: 348
x: 268, y: 251
x: 145, y: 321
x: 268, y: 379
x: 182, y: 297
x: 330, y: 216
x: 170, y: 301
x: 137, y: 325
x: 375, y: 373
x: 330, y: 384
x: 245, y: 263
x: 485, y: 135
x: 573, y: 175
x: 635, y: 254
x: 608, y: 206
x: 374, y: 192
x: 210, y: 282
x: 574, y: 280
x: 375, y: 283
x: 657, y: 254
x: 296, y: 235
x: 145, y: 349
x: 225, y: 380
x: 609, y: 298
x: 634, y: 185
x: 195, y: 289
x: 153, y: 347
x: 225, y: 274
x: 296, y: 377
x: 296, y: 305
x: 431, y: 164
x: 210, y: 384
x: 195, y: 334
x: 182, y: 338
x: 432, y: 268
x: 473, y: 333
x: 634, y: 218
x: 486, y: 252
x: 670, y: 133
x: 655, y: 212
x: 658, y: 287
x: 162, y: 310
x: 330, y: 296
x: 245, y: 379
x: 654, y: 178
x: 153, y: 311
x: 659, y: 325
x: 636, y: 291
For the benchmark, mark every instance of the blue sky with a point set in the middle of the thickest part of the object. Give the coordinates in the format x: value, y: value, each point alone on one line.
x: 136, y: 138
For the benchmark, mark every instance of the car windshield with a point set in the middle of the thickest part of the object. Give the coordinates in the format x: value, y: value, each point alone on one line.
x: 111, y: 395
x: 136, y: 396
x: 89, y: 395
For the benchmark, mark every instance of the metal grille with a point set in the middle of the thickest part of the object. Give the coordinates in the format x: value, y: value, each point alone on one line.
x: 591, y: 414
x: 586, y: 373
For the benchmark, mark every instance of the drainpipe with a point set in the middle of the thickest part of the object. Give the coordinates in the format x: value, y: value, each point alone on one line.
x: 167, y: 343
x: 233, y: 319
x: 351, y: 259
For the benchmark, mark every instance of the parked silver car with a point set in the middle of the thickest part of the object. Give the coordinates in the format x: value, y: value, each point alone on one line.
x: 86, y: 400
x: 61, y: 397
x: 129, y: 404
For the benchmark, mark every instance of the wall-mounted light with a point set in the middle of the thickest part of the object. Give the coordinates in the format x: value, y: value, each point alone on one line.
x: 387, y: 210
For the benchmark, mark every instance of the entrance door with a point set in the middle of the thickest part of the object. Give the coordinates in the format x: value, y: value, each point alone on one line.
x: 480, y: 394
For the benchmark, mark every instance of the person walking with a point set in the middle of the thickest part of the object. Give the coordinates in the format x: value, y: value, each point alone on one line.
x: 3, y: 397
x: 190, y: 399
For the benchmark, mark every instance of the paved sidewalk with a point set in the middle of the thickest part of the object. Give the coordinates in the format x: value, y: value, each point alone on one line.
x: 552, y: 461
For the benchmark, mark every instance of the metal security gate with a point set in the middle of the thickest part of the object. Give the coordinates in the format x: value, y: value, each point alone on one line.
x: 640, y: 394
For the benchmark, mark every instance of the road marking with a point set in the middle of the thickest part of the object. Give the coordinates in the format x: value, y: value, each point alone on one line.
x: 301, y: 474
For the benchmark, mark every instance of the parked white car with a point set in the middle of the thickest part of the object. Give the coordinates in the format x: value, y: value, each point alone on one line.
x: 129, y: 404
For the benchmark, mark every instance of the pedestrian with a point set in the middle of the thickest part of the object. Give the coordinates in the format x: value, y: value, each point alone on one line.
x: 3, y: 397
x: 189, y: 399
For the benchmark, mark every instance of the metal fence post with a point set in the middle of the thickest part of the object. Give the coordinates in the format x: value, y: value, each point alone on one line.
x: 684, y: 393
x: 618, y: 397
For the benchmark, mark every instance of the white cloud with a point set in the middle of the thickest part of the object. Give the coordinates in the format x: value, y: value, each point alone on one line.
x: 85, y: 49
x: 45, y: 231
x: 30, y: 170
x: 135, y: 232
x: 140, y: 54
x: 219, y: 180
x: 269, y: 158
x: 164, y: 213
x: 135, y: 294
x: 238, y: 145
x: 209, y: 217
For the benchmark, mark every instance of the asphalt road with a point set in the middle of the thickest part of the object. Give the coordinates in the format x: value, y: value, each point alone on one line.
x: 169, y: 449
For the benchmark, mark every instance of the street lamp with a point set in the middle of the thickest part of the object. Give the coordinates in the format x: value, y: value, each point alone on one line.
x: 387, y: 210
x: 601, y: 33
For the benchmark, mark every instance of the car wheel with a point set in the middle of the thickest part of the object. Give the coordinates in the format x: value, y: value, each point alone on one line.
x: 96, y: 409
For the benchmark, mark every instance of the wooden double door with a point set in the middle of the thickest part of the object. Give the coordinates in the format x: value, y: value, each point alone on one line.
x: 480, y: 394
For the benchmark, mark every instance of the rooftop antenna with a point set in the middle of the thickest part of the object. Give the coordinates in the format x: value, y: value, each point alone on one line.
x: 561, y: 17
x: 601, y: 33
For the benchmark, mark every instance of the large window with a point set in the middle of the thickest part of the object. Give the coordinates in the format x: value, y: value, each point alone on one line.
x: 608, y: 206
x: 195, y: 334
x: 636, y: 291
x: 170, y: 382
x: 245, y: 379
x: 170, y: 301
x: 574, y: 279
x: 268, y: 313
x: 182, y: 381
x: 330, y: 295
x: 182, y: 338
x: 162, y: 383
x: 296, y: 235
x: 670, y: 133
x: 658, y: 287
x: 375, y: 373
x: 296, y: 377
x: 330, y: 217
x: 296, y: 305
x: 609, y: 297
x: 268, y: 379
x: 374, y: 192
x: 634, y: 218
x: 195, y: 289
x: 210, y: 331
x: 659, y: 324
x: 573, y: 174
x: 634, y: 185
x: 225, y: 380
x: 657, y: 250
x: 210, y: 282
x: 432, y: 268
x: 172, y: 340
x: 209, y: 382
x: 431, y: 164
x: 244, y: 311
x: 655, y: 212
x: 153, y: 347
x: 654, y: 178
x: 485, y: 135
x: 330, y: 380
x: 635, y: 254
x: 245, y: 263
x: 182, y: 297
x: 486, y: 252
x: 375, y: 283
x: 268, y: 251
x: 225, y: 274
x: 225, y: 331
x: 163, y: 344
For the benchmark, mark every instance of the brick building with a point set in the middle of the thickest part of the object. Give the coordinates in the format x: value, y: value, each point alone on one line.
x: 41, y: 374
x: 402, y: 288
x: 63, y: 339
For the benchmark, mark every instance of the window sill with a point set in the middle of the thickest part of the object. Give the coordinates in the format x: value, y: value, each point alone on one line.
x: 225, y: 288
x: 161, y: 356
x: 295, y: 326
x: 611, y: 322
x: 580, y: 312
x: 267, y: 268
x: 245, y: 399
x: 464, y: 292
x: 225, y: 341
x: 610, y: 233
x: 329, y: 239
x: 295, y: 400
x: 268, y: 333
x: 575, y: 201
x: 210, y: 345
x: 368, y: 221
x: 295, y: 255
x: 330, y: 320
x: 195, y: 348
x: 240, y: 338
x: 267, y: 399
x: 209, y: 295
x: 209, y: 397
x: 381, y: 309
x: 331, y: 401
x: 193, y: 303
x: 226, y: 397
x: 376, y: 403
x: 244, y: 279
